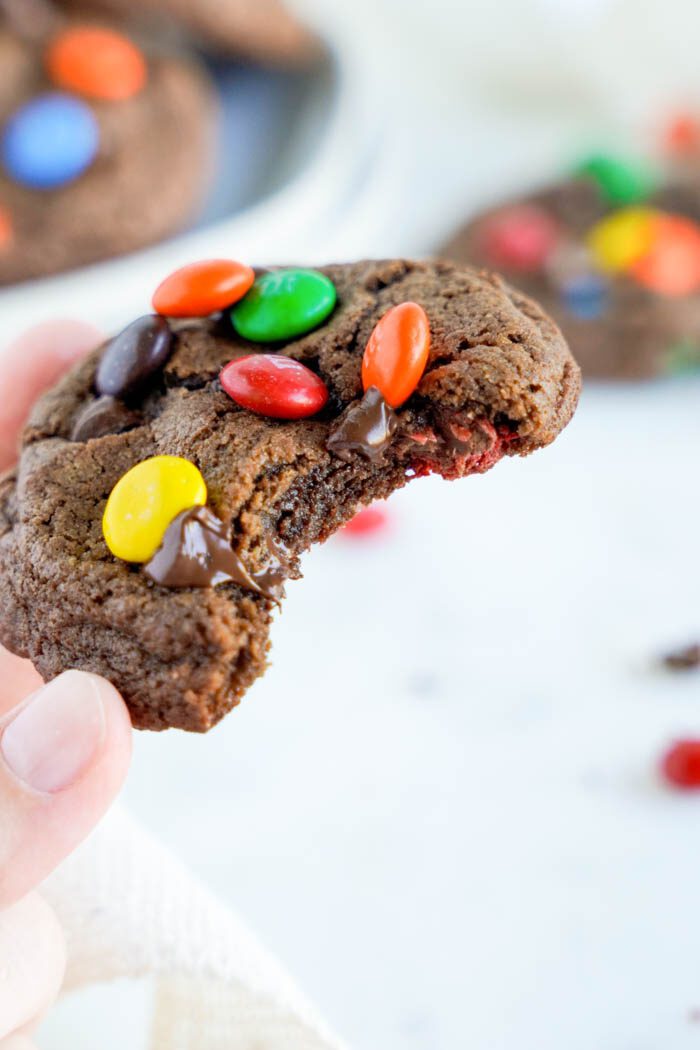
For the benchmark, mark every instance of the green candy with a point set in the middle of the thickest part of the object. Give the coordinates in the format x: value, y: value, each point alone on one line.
x: 620, y: 181
x: 682, y: 359
x: 284, y: 304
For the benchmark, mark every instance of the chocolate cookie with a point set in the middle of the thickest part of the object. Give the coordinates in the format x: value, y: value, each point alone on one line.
x: 103, y: 149
x: 168, y: 485
x: 614, y: 258
x: 262, y: 29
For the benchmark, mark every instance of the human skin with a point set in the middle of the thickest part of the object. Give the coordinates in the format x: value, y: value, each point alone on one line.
x: 65, y: 747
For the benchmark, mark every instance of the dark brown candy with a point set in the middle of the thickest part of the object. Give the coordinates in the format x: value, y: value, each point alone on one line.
x: 686, y: 659
x: 366, y: 427
x: 196, y: 552
x: 104, y: 416
x: 134, y: 356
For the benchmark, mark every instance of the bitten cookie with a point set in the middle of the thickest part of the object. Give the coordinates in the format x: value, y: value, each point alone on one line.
x: 612, y: 256
x: 262, y: 29
x: 167, y: 486
x: 103, y: 149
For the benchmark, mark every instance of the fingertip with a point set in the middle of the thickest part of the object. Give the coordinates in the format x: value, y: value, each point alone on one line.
x: 31, y: 365
x: 64, y: 340
x: 64, y: 756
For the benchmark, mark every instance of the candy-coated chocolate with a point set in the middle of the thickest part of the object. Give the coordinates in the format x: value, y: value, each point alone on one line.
x: 586, y: 297
x: 682, y: 359
x: 397, y: 353
x: 620, y: 239
x: 273, y: 385
x: 682, y: 135
x: 50, y: 141
x: 133, y: 356
x: 520, y: 238
x: 681, y: 764
x: 284, y: 304
x: 203, y: 288
x: 672, y: 266
x: 620, y: 181
x: 6, y: 231
x: 145, y: 500
x: 367, y: 521
x: 96, y: 62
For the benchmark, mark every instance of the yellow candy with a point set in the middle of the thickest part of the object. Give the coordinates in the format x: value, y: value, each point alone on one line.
x: 144, y: 502
x: 621, y: 239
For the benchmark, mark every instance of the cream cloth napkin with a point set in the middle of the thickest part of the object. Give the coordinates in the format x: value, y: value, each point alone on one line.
x: 130, y: 909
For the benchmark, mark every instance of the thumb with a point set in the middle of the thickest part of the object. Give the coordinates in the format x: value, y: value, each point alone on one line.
x: 64, y: 754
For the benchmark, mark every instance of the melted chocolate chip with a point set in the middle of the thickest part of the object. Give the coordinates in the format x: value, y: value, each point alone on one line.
x: 134, y: 356
x: 367, y: 427
x: 104, y: 416
x: 196, y: 552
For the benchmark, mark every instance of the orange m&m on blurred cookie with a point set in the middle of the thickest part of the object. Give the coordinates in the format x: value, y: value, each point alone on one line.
x: 397, y: 353
x: 672, y: 264
x: 98, y: 63
x: 5, y: 230
x: 203, y: 288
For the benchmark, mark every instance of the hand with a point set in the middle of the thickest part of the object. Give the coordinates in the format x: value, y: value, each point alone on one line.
x: 64, y: 747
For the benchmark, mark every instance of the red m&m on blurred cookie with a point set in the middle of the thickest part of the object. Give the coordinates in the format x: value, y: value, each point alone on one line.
x: 519, y: 238
x: 682, y: 135
x: 397, y: 353
x: 274, y: 385
x: 203, y: 288
x: 96, y: 62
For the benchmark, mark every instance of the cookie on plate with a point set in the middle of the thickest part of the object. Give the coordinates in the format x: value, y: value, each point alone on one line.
x: 103, y: 147
x: 612, y: 255
x: 168, y: 485
x: 265, y: 30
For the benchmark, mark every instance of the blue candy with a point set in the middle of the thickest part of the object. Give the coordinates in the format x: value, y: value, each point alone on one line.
x: 586, y: 297
x: 50, y: 141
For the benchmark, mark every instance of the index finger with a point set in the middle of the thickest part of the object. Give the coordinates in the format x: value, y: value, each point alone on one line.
x: 31, y: 365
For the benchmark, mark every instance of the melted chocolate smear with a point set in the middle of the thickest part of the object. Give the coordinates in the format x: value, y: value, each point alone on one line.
x: 196, y: 552
x: 104, y: 416
x: 367, y: 427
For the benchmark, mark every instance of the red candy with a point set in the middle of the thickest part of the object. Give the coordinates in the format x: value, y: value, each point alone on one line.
x: 397, y: 353
x: 366, y: 521
x: 682, y: 136
x: 681, y: 764
x: 672, y: 265
x: 96, y: 62
x: 203, y: 288
x: 519, y: 238
x: 273, y: 385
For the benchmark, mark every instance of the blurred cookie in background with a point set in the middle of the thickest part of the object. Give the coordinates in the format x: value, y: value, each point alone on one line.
x: 613, y: 254
x: 265, y: 30
x: 104, y: 148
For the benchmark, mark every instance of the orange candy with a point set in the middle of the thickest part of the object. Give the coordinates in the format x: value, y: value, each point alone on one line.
x: 96, y: 62
x: 672, y: 265
x: 397, y: 353
x: 6, y: 233
x: 203, y: 288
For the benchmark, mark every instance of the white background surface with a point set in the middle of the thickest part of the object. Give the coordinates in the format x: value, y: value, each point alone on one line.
x: 440, y: 806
